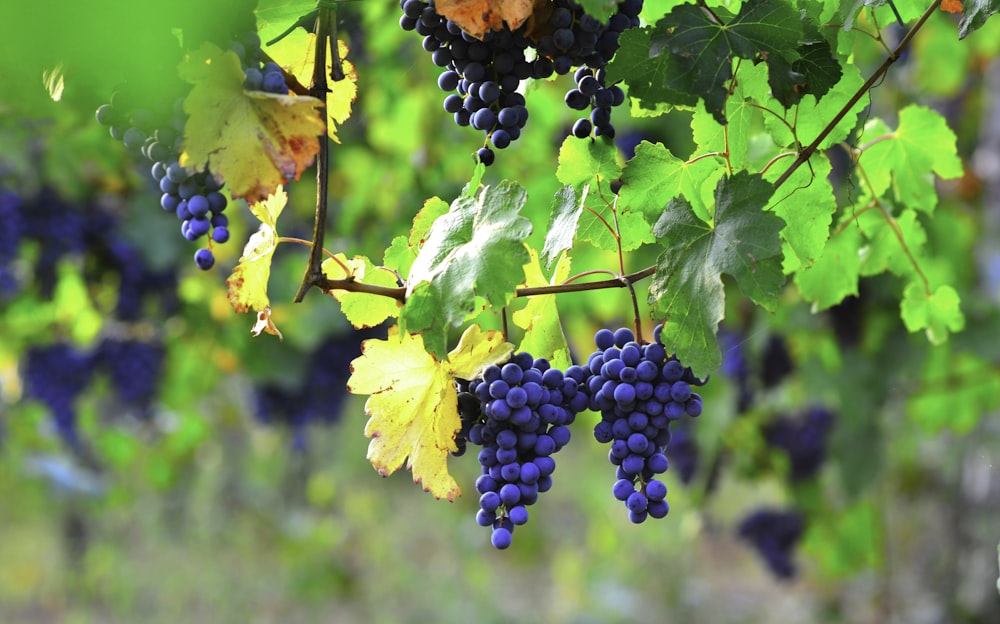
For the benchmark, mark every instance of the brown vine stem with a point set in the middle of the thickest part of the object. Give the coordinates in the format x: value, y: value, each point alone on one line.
x: 399, y: 292
x: 326, y: 34
x: 807, y: 153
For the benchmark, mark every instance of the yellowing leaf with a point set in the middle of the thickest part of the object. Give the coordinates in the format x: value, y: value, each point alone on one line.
x: 362, y: 309
x: 476, y: 17
x: 247, y: 286
x: 413, y: 405
x: 289, y: 54
x: 543, y: 334
x: 255, y: 141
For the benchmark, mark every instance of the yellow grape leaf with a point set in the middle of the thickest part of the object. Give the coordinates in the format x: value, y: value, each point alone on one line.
x: 477, y: 17
x: 296, y: 52
x: 413, y: 405
x: 543, y: 334
x: 362, y: 309
x: 247, y: 286
x: 255, y: 141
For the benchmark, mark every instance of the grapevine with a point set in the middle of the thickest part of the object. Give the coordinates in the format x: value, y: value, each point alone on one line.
x: 743, y: 247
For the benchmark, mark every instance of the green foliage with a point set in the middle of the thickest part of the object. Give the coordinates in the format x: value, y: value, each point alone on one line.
x: 741, y: 240
x: 864, y: 216
x: 476, y: 248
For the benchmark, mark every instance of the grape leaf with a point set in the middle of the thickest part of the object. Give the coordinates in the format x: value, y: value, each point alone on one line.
x: 563, y: 220
x: 647, y: 76
x: 654, y: 176
x: 543, y: 334
x: 770, y: 29
x: 247, y: 286
x: 936, y: 313
x: 476, y: 248
x: 834, y: 275
x: 255, y: 141
x: 477, y: 17
x: 741, y: 240
x: 362, y: 309
x: 883, y: 249
x: 594, y: 163
x: 902, y: 159
x: 296, y: 53
x: 413, y: 404
x: 806, y: 204
x: 404, y: 249
x: 974, y: 15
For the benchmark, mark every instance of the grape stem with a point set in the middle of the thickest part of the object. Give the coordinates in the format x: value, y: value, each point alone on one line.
x: 326, y: 33
x: 399, y: 293
x: 807, y: 153
x: 326, y: 252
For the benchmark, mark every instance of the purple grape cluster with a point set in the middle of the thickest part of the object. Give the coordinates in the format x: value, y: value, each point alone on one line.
x: 135, y: 368
x: 11, y: 232
x: 580, y: 40
x: 318, y: 396
x: 804, y: 440
x: 194, y: 197
x: 522, y: 418
x: 639, y: 390
x: 482, y: 76
x: 56, y: 375
x: 774, y: 534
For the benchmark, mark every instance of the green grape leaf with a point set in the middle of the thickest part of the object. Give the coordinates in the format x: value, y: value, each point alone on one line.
x: 813, y: 115
x: 404, y: 249
x: 563, y: 221
x: 904, y: 160
x: 937, y: 313
x: 974, y: 15
x: 733, y: 138
x: 594, y: 164
x: 806, y: 204
x: 476, y: 248
x: 413, y: 404
x: 835, y: 273
x: 255, y: 141
x: 883, y: 249
x: 654, y: 176
x: 247, y: 286
x: 770, y: 29
x: 647, y: 75
x: 361, y: 309
x: 543, y: 334
x: 741, y: 241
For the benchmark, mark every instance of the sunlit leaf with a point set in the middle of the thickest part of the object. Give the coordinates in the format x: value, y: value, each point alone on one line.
x: 413, y: 404
x: 247, y: 286
x: 255, y: 141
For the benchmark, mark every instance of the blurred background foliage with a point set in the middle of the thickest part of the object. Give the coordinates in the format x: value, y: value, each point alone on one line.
x: 201, y: 507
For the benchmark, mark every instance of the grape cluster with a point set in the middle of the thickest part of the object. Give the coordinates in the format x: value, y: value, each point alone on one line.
x: 580, y: 40
x: 316, y: 397
x: 774, y: 534
x: 482, y: 76
x: 193, y: 197
x: 803, y: 439
x: 56, y: 375
x: 639, y: 391
x: 521, y: 415
x: 11, y: 231
x: 135, y: 368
